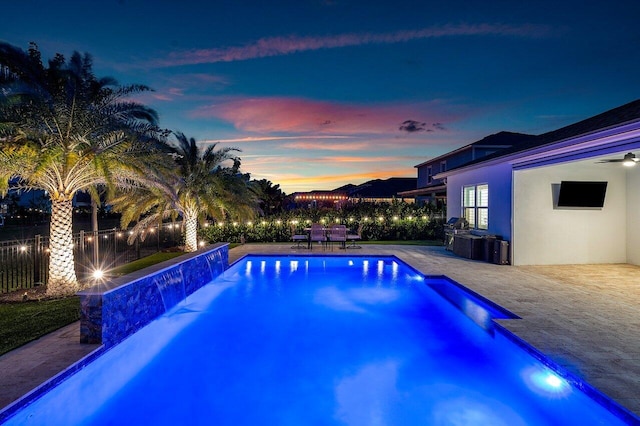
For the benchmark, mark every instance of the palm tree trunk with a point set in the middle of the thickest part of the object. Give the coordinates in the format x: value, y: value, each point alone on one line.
x: 62, y: 274
x: 190, y: 232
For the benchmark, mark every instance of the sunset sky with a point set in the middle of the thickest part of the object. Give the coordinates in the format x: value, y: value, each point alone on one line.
x: 320, y: 93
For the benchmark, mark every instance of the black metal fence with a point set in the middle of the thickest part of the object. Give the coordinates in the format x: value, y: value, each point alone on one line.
x: 25, y: 263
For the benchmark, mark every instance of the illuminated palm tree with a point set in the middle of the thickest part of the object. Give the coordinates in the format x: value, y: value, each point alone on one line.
x: 63, y: 130
x: 202, y: 184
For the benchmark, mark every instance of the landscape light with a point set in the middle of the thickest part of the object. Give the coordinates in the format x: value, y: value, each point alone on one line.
x: 23, y: 248
x: 98, y: 274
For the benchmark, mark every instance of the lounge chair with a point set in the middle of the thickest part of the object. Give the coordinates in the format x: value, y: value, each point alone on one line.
x: 299, y: 239
x: 353, y: 238
x: 317, y: 235
x: 338, y: 234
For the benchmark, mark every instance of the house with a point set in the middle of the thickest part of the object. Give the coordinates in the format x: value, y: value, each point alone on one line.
x: 516, y: 193
x: 431, y: 189
x: 316, y: 199
x: 373, y: 191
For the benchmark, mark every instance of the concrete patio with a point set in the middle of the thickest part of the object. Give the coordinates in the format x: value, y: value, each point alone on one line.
x: 585, y: 317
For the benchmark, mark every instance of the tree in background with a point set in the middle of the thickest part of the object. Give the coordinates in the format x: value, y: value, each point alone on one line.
x: 203, y: 183
x: 271, y: 197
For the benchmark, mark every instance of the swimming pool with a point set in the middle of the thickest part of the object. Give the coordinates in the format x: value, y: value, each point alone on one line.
x: 339, y: 340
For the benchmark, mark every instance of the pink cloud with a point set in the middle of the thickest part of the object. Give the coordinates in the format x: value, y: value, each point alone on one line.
x: 250, y: 139
x: 330, y: 146
x: 304, y: 116
x: 279, y: 46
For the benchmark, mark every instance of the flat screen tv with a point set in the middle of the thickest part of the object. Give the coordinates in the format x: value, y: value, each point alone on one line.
x: 581, y: 194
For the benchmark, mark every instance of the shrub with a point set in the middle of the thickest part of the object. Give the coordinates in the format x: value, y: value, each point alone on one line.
x: 389, y: 221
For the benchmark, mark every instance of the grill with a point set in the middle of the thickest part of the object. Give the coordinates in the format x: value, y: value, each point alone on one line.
x: 455, y: 225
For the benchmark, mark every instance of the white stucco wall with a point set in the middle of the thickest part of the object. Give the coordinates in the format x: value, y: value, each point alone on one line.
x: 499, y: 179
x: 633, y: 215
x: 544, y: 235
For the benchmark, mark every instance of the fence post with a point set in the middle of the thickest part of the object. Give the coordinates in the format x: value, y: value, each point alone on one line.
x: 115, y: 246
x: 81, y: 253
x: 37, y: 259
x: 96, y: 249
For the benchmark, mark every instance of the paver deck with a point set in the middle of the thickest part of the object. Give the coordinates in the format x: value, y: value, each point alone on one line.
x: 584, y: 317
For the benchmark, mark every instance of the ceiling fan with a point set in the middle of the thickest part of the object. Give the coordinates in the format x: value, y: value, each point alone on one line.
x: 629, y: 160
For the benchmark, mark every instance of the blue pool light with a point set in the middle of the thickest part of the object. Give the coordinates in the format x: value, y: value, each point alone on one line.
x: 546, y: 382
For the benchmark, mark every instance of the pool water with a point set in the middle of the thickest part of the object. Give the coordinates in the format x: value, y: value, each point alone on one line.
x: 320, y: 341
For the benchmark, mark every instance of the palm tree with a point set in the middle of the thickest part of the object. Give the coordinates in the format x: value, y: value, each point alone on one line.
x: 201, y: 185
x: 64, y: 130
x: 271, y: 197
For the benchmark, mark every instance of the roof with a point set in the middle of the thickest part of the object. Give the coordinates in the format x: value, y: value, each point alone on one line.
x: 425, y: 190
x: 501, y: 140
x: 611, y: 118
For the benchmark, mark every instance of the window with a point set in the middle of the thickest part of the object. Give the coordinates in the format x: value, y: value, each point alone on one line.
x: 475, y: 205
x: 443, y: 166
x: 429, y: 174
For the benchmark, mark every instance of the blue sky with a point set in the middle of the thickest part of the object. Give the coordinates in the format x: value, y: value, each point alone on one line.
x: 319, y: 93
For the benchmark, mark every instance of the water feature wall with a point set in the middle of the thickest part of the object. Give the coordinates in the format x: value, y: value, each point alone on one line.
x: 117, y: 308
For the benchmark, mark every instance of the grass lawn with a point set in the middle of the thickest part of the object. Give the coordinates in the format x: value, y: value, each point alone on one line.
x: 26, y: 321
x: 22, y: 322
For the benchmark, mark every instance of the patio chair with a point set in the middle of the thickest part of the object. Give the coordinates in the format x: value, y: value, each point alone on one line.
x: 353, y: 238
x: 317, y: 235
x: 338, y: 234
x: 298, y: 239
